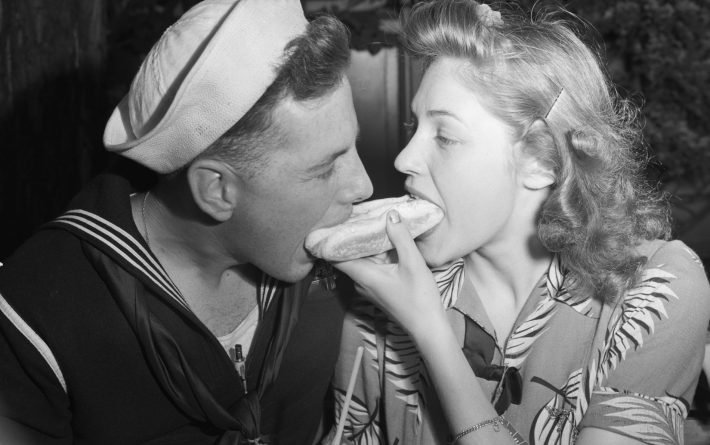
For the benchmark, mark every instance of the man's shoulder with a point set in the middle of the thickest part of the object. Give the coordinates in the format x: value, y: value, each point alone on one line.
x: 42, y: 252
x: 45, y: 270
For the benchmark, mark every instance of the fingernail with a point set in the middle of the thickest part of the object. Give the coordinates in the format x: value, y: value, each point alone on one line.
x: 393, y: 216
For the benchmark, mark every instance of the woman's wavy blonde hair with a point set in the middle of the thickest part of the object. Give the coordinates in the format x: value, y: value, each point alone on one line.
x: 536, y: 74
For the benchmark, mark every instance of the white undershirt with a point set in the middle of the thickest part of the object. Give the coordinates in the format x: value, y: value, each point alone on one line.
x: 242, y: 334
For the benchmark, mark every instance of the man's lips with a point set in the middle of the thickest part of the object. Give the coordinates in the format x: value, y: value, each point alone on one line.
x: 344, y: 217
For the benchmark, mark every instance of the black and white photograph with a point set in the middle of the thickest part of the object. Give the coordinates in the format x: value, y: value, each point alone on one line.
x: 355, y: 222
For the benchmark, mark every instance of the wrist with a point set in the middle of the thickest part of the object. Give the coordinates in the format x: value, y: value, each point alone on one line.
x: 497, y: 424
x: 435, y: 334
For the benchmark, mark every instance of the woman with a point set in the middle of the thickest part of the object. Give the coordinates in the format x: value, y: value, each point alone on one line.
x: 565, y: 309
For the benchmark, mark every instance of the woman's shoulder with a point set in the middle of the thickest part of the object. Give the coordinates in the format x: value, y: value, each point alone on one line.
x: 675, y: 271
x: 661, y: 326
x: 661, y: 253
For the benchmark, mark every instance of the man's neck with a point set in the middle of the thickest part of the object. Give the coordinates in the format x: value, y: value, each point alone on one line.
x: 218, y: 290
x: 223, y: 307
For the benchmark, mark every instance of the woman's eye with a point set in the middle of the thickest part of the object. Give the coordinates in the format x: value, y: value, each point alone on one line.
x: 443, y: 140
x: 410, y: 127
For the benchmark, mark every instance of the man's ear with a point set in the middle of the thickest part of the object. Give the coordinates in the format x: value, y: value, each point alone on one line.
x: 213, y: 188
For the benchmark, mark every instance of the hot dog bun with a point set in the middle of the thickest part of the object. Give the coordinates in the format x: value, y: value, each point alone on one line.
x: 364, y: 233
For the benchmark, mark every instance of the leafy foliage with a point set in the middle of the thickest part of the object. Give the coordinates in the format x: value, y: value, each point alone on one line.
x: 661, y: 49
x: 658, y: 52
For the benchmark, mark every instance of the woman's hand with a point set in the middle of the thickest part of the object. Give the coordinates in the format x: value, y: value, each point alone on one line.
x: 406, y: 290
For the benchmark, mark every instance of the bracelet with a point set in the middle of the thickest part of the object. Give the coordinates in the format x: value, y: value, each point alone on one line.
x: 496, y: 423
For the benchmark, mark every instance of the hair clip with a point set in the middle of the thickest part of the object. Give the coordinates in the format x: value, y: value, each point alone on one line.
x: 549, y: 110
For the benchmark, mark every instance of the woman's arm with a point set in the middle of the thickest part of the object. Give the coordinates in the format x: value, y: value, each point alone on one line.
x: 408, y: 293
x: 463, y: 401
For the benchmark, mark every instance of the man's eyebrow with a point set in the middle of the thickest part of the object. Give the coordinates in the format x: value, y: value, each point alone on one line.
x: 330, y: 159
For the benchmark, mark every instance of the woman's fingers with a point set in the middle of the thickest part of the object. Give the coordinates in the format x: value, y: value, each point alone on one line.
x: 402, y: 240
x: 362, y: 269
x: 405, y: 290
x: 359, y: 270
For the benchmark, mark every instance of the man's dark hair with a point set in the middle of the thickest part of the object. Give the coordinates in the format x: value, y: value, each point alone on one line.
x: 315, y: 64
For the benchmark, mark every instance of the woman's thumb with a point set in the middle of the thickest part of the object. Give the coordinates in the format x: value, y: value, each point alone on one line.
x: 399, y: 235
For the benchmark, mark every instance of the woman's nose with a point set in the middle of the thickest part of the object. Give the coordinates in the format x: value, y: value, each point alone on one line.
x: 408, y: 160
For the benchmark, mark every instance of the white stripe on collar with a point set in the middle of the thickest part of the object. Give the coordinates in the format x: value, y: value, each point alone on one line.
x: 134, y: 253
x: 125, y: 245
x: 267, y: 290
x: 36, y: 341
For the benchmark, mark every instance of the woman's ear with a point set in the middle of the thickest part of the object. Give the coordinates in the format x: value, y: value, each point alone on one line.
x: 213, y: 188
x: 537, y: 176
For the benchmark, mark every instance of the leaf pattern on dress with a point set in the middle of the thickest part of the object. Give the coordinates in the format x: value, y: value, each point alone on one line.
x: 651, y: 420
x: 403, y: 364
x: 581, y: 305
x: 641, y: 307
x: 521, y: 340
x: 404, y: 368
x: 364, y: 314
x: 557, y: 289
x: 556, y: 423
x: 671, y: 406
x: 449, y: 280
x: 361, y: 426
x: 555, y: 278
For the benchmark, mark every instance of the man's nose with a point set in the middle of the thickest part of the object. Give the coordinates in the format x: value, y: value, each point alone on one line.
x: 359, y: 185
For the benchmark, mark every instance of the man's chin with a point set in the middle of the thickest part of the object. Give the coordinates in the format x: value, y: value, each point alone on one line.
x: 294, y: 272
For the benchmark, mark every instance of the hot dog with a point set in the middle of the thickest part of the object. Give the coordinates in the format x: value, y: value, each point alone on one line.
x: 364, y: 232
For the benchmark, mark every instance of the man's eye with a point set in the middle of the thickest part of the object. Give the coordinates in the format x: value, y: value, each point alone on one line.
x: 326, y: 174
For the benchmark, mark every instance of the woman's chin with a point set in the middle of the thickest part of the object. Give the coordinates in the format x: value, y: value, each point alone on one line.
x: 432, y: 253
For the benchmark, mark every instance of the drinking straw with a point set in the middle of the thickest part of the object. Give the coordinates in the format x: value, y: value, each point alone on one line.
x: 348, y: 397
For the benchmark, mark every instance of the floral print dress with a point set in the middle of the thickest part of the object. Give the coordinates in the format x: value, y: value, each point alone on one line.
x: 630, y: 367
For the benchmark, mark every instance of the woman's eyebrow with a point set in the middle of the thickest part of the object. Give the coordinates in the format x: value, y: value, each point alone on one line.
x: 435, y: 113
